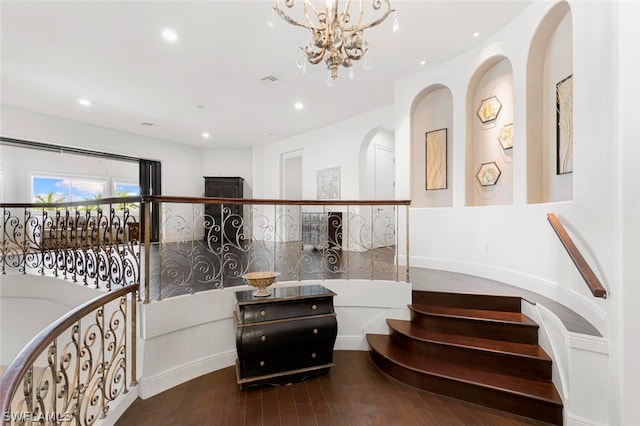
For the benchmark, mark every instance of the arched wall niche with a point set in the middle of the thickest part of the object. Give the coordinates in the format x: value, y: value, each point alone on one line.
x: 432, y: 111
x: 550, y: 61
x: 489, y: 121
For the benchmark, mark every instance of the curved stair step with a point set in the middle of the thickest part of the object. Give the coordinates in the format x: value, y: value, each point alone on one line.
x: 511, y: 348
x: 467, y: 300
x: 520, y: 359
x: 510, y: 326
x: 473, y: 314
x: 524, y: 396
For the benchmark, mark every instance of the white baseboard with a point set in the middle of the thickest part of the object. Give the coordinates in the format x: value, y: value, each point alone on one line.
x: 351, y: 343
x: 572, y: 420
x: 150, y: 386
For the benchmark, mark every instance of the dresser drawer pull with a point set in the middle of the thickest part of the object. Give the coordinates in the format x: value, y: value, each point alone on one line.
x: 313, y: 355
x: 261, y: 363
x: 315, y: 331
x: 263, y: 313
x: 263, y: 338
x: 314, y: 307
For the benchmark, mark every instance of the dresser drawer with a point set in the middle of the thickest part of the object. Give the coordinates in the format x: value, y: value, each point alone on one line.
x: 285, y: 360
x: 260, y: 312
x: 282, y: 335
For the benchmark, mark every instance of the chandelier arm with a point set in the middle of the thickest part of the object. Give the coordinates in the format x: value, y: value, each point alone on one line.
x: 315, y: 57
x: 289, y: 19
x: 377, y: 21
x: 345, y: 12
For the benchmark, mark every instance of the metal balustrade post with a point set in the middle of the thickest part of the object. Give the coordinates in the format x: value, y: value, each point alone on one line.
x: 407, y: 238
x: 147, y: 250
x: 134, y: 339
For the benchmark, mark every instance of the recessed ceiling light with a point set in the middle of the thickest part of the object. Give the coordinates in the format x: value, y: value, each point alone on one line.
x: 476, y: 34
x: 298, y: 106
x: 169, y: 35
x: 423, y: 62
x: 84, y: 102
x: 206, y: 135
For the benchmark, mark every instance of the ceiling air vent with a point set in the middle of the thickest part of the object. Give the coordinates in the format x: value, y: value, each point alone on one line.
x: 270, y: 79
x: 147, y: 124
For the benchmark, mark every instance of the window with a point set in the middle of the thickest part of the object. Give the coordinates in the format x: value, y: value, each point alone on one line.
x: 49, y: 189
x: 126, y: 189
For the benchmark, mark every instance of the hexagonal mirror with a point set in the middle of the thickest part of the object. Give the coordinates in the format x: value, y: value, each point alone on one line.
x: 506, y: 136
x: 488, y: 174
x: 489, y: 109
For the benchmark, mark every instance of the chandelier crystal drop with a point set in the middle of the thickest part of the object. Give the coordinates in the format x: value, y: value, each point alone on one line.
x: 336, y: 34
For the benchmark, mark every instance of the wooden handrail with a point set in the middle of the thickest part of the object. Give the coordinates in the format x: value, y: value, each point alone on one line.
x: 18, y: 367
x: 213, y: 200
x: 594, y: 284
x: 205, y: 200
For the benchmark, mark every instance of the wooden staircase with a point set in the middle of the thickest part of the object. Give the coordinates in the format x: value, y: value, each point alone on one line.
x: 477, y: 348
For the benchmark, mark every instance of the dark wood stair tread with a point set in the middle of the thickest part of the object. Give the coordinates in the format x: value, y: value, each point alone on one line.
x: 468, y: 300
x: 474, y: 314
x: 407, y: 328
x: 537, y: 389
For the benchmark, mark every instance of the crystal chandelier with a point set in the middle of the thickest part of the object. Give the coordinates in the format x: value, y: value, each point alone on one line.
x: 336, y: 35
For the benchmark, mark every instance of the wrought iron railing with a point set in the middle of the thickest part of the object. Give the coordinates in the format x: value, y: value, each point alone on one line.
x: 77, y: 367
x: 204, y: 243
x: 95, y: 242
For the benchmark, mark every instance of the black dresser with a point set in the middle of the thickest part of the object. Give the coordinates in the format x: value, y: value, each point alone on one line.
x: 285, y: 337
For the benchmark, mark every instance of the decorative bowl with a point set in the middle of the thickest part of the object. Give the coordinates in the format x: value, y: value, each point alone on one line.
x: 261, y: 280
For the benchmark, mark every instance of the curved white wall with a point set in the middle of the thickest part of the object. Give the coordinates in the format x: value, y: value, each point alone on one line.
x: 521, y: 247
x: 514, y: 243
x: 30, y: 303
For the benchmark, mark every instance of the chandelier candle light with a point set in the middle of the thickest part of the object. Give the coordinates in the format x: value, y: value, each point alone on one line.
x: 334, y: 35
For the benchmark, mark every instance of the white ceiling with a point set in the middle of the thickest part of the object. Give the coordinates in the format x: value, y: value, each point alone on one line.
x: 54, y: 52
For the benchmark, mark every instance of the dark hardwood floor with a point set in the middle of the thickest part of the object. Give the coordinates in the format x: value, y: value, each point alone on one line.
x: 354, y: 393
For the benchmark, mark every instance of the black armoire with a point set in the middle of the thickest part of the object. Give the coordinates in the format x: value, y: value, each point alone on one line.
x: 225, y: 187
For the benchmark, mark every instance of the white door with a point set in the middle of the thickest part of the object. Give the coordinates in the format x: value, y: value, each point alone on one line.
x: 289, y: 219
x: 384, y: 189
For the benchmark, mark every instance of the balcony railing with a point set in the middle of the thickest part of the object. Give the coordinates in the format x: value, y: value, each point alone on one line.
x: 204, y: 243
x: 75, y: 369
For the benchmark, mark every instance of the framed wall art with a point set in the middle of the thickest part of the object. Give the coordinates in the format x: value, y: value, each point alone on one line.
x: 564, y: 126
x: 506, y: 136
x: 489, y: 110
x: 436, y: 160
x: 328, y: 183
x: 488, y: 174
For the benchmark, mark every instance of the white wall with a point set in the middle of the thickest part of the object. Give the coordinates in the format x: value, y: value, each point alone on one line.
x: 228, y: 162
x: 336, y: 145
x: 539, y: 263
x: 625, y: 321
x: 181, y: 167
x: 522, y: 248
x: 45, y: 299
x: 23, y: 163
